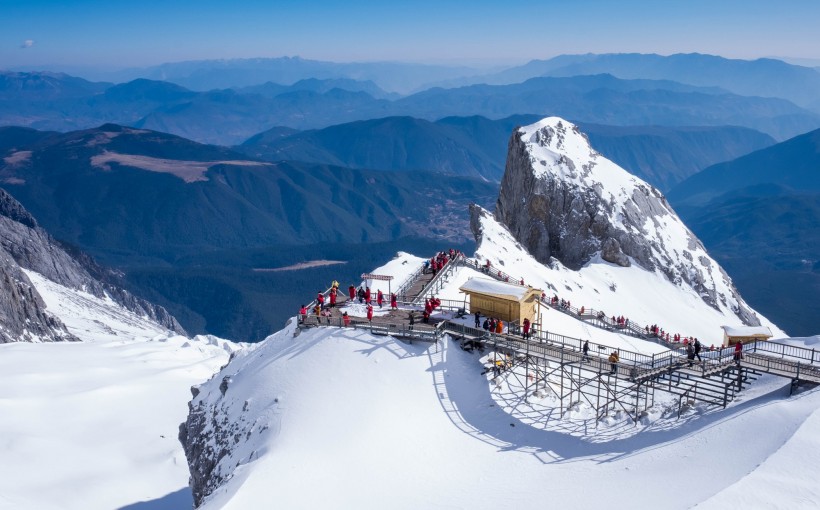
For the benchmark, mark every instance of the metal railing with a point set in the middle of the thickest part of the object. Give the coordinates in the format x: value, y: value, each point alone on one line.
x: 411, y: 280
x: 439, y: 280
x: 799, y: 363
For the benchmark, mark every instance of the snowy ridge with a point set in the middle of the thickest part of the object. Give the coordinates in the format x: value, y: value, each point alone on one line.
x: 559, y: 148
x: 318, y: 417
x: 646, y: 297
x: 92, y: 425
x: 564, y: 201
x: 317, y: 420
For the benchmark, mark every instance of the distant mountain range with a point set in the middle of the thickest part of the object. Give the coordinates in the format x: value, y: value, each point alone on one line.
x: 477, y: 146
x: 188, y: 222
x: 759, y: 215
x: 231, y: 116
x: 271, y: 89
x: 178, y: 196
x: 761, y: 77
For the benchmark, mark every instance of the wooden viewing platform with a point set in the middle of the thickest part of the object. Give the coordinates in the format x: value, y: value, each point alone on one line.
x: 714, y: 380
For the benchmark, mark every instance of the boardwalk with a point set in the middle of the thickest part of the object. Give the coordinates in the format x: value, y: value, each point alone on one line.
x: 715, y: 379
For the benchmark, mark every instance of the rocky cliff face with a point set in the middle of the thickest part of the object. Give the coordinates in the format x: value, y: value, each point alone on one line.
x: 561, y: 199
x: 24, y: 245
x: 23, y: 315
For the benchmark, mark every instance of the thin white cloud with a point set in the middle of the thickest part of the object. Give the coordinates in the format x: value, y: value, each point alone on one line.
x: 28, y: 43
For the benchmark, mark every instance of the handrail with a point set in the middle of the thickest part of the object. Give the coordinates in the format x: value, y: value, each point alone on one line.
x: 411, y: 280
x: 492, y: 272
x: 768, y: 356
x: 437, y: 282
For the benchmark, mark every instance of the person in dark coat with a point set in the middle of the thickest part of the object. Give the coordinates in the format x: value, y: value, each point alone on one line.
x: 477, y: 320
x: 738, y: 352
x: 585, y: 349
x: 412, y: 320
x: 690, y: 353
x: 360, y: 295
x: 486, y: 324
x: 698, y: 347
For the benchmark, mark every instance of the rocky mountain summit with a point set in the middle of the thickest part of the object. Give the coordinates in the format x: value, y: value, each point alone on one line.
x: 24, y: 245
x: 563, y: 201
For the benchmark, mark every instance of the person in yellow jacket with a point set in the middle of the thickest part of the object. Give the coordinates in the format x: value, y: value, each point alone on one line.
x: 499, y: 326
x: 613, y: 362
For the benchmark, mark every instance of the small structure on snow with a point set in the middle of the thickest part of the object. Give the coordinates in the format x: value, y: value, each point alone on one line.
x: 505, y: 301
x: 744, y: 334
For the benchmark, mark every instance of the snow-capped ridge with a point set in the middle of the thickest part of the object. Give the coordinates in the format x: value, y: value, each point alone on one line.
x: 562, y: 200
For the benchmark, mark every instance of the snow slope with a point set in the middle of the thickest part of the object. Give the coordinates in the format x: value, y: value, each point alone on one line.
x: 93, y: 424
x: 563, y: 200
x: 645, y: 297
x: 348, y: 420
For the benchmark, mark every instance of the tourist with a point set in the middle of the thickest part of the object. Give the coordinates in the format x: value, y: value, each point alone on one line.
x: 613, y: 362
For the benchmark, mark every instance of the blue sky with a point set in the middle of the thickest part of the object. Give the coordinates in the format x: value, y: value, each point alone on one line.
x: 116, y: 33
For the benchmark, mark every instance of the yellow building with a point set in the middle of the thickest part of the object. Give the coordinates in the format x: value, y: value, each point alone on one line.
x: 505, y: 301
x: 744, y: 334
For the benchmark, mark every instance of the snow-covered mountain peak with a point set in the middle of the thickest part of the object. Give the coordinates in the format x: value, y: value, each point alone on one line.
x: 562, y: 200
x: 555, y: 140
x: 559, y: 148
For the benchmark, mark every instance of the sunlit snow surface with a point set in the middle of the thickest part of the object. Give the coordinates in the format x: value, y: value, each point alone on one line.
x: 94, y: 424
x: 559, y: 150
x: 349, y: 420
x: 335, y: 415
x: 343, y: 419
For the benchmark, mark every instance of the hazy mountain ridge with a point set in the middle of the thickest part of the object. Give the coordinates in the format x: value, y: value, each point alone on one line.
x: 477, y: 146
x: 271, y: 89
x: 763, y: 77
x: 230, y: 117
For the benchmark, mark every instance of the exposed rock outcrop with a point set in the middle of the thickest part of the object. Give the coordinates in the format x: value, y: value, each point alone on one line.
x: 25, y: 245
x: 23, y: 315
x: 562, y: 199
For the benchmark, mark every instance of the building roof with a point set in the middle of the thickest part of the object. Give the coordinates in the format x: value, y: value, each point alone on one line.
x: 747, y: 331
x: 496, y: 288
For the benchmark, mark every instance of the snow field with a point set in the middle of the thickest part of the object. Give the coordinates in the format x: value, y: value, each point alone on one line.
x: 94, y: 424
x: 357, y: 421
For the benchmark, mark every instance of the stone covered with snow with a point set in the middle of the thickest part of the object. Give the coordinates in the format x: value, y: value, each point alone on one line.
x: 563, y: 200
